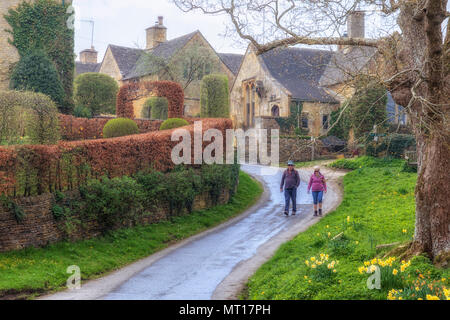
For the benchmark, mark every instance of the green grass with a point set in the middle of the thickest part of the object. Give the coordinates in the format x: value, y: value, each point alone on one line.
x: 39, y: 270
x: 379, y: 206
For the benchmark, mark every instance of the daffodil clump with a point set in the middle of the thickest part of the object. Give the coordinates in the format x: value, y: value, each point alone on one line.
x: 321, y: 267
x: 422, y: 289
x: 391, y: 272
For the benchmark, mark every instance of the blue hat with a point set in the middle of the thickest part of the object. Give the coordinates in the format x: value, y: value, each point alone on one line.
x: 290, y: 163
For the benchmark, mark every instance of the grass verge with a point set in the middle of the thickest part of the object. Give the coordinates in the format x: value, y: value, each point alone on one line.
x: 331, y: 258
x: 34, y: 271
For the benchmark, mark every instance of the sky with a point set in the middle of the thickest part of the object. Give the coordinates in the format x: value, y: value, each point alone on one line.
x: 123, y: 23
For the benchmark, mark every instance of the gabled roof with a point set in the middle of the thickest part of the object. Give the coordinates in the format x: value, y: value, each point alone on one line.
x: 232, y: 61
x: 165, y: 50
x: 86, y: 67
x: 125, y: 57
x: 299, y: 70
x: 344, y: 66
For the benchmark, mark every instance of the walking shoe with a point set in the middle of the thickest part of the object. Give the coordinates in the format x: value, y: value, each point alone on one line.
x: 320, y: 212
x: 315, y: 213
x: 286, y: 213
x: 293, y: 213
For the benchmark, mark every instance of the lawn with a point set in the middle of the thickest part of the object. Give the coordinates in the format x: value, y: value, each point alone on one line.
x: 378, y: 208
x: 32, y: 271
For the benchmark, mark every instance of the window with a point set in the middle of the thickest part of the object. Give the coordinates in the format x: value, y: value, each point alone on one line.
x: 275, y: 111
x: 304, y: 120
x: 325, y: 121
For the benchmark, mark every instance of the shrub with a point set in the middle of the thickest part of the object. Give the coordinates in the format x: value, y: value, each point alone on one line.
x: 119, y: 127
x: 215, y: 101
x: 396, y: 144
x: 214, y: 179
x: 28, y: 114
x: 173, y: 123
x: 36, y: 72
x: 82, y: 112
x: 31, y: 31
x: 96, y: 92
x: 366, y: 162
x: 113, y: 201
x: 156, y: 108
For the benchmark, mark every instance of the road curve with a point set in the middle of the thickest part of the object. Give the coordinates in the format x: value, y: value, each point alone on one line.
x: 214, y: 264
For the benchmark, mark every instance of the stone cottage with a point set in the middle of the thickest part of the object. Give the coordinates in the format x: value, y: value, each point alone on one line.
x: 313, y: 81
x: 130, y: 64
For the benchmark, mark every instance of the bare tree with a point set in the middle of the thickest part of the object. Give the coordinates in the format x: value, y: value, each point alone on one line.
x: 413, y: 61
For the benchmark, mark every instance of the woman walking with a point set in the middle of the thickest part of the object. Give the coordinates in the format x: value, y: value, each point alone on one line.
x: 318, y: 185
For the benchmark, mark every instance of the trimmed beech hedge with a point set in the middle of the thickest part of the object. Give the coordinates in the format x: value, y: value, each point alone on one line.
x: 120, y: 127
x: 37, y: 169
x: 130, y: 92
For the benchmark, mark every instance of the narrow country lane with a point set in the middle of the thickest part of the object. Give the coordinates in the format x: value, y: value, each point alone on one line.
x: 203, y: 267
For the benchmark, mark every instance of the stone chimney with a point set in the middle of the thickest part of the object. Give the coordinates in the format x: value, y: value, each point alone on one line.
x: 355, y: 24
x: 156, y: 34
x: 89, y: 56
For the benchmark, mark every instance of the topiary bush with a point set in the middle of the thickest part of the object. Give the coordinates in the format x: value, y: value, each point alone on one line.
x: 96, y: 92
x: 36, y: 72
x: 119, y: 127
x: 173, y: 123
x: 214, y: 99
x: 156, y: 108
x: 28, y: 116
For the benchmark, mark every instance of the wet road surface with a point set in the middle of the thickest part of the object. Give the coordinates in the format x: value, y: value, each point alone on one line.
x: 194, y: 270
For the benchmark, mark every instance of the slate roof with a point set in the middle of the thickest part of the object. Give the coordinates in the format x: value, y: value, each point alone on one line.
x: 299, y: 70
x: 86, y: 67
x: 125, y: 57
x: 165, y: 50
x: 343, y: 66
x: 232, y: 61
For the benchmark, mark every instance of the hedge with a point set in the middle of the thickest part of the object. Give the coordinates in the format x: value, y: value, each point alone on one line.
x: 215, y: 96
x: 96, y: 92
x: 120, y: 127
x: 28, y: 115
x: 130, y: 92
x: 37, y: 169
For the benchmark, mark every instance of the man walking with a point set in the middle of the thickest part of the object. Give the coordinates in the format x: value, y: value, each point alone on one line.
x: 290, y: 181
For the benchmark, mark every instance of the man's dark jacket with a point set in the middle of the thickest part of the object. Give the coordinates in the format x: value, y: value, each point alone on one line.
x: 290, y: 179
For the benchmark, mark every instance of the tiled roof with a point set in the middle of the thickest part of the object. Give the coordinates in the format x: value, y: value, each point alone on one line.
x: 125, y: 57
x: 165, y: 50
x: 232, y: 61
x: 86, y: 67
x: 299, y: 70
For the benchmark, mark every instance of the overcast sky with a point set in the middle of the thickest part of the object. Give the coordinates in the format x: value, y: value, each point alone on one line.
x: 123, y: 23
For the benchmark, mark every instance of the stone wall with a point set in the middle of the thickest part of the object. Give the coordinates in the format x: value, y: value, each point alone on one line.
x: 39, y: 228
x: 8, y: 53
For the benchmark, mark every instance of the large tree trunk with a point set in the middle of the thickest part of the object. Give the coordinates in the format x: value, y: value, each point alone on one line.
x: 433, y: 197
x: 420, y: 50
